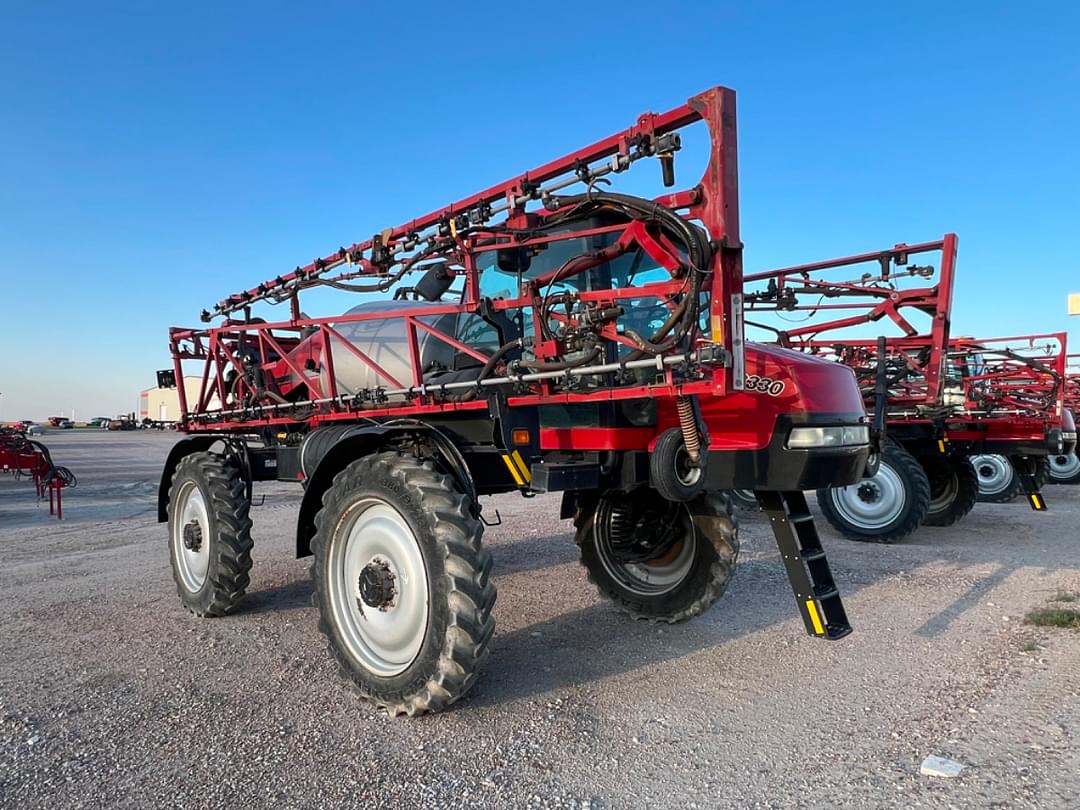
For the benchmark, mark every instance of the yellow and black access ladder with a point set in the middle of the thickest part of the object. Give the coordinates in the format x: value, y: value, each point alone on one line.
x: 807, y: 568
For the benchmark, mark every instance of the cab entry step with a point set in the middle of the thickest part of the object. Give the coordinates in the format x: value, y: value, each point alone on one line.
x: 807, y: 568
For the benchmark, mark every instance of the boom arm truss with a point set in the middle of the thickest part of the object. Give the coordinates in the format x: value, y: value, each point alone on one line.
x: 244, y: 360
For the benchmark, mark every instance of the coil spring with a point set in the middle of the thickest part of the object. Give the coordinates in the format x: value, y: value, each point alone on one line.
x: 689, y: 429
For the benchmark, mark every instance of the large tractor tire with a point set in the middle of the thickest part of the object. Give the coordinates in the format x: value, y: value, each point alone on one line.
x: 998, y: 481
x: 402, y: 583
x: 209, y: 534
x: 954, y: 488
x: 658, y: 560
x: 884, y: 508
x: 1064, y: 468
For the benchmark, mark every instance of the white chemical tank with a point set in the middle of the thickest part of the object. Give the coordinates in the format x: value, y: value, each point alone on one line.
x: 385, y: 342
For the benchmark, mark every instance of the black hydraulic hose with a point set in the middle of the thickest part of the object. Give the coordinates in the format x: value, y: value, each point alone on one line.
x: 698, y: 250
x: 562, y: 365
x: 500, y: 352
x: 485, y: 372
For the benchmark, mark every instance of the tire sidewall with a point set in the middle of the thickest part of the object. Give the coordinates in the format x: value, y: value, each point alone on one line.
x: 189, y: 469
x: 935, y: 466
x: 333, y: 519
x: 964, y: 481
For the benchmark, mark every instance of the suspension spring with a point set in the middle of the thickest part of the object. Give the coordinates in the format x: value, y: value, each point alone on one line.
x: 689, y: 429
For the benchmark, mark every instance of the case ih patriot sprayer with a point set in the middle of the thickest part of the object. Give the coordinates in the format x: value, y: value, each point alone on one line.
x: 548, y: 334
x: 938, y: 401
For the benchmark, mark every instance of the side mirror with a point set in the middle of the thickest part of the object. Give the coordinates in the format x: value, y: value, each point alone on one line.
x: 513, y: 260
x: 434, y: 283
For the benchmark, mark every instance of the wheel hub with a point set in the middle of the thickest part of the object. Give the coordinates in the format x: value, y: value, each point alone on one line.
x: 874, y: 503
x: 868, y: 492
x: 192, y: 536
x: 378, y: 585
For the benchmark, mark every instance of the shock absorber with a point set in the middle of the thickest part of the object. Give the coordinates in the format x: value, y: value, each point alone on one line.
x: 689, y: 429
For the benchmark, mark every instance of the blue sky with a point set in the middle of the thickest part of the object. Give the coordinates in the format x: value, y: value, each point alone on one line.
x: 153, y: 160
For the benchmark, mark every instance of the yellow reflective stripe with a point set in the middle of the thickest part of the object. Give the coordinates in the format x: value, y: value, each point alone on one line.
x: 453, y: 227
x: 526, y: 473
x: 717, y: 324
x: 1035, y: 501
x: 941, y: 445
x: 815, y: 619
x: 513, y: 470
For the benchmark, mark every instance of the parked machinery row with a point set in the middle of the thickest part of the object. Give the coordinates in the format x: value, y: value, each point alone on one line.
x: 952, y: 416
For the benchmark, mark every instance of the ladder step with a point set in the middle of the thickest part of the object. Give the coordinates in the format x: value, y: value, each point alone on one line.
x: 813, y: 556
x: 827, y: 592
x: 835, y: 632
x: 800, y: 517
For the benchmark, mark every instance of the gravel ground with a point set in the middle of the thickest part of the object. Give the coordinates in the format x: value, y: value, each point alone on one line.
x: 111, y: 695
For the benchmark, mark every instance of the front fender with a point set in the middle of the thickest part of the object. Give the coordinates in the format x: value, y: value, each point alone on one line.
x: 357, y: 444
x: 184, y: 447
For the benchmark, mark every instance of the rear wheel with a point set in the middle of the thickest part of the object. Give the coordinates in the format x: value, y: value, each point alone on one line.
x: 658, y: 560
x: 954, y: 488
x: 209, y: 534
x: 998, y: 482
x: 1065, y: 469
x: 402, y: 583
x: 886, y: 507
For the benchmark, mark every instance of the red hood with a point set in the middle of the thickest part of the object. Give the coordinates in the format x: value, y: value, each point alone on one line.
x: 779, y: 382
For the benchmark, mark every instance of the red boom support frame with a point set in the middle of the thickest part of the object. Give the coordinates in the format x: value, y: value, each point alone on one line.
x: 227, y: 401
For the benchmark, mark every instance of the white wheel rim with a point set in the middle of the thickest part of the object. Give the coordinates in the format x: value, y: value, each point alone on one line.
x: 1064, y: 467
x: 995, y: 473
x: 873, y: 503
x: 191, y: 537
x: 385, y: 638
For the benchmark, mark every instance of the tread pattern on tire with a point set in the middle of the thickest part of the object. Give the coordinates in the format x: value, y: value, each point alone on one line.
x: 967, y: 493
x: 918, y: 501
x: 708, y: 588
x: 229, y: 507
x: 469, y: 592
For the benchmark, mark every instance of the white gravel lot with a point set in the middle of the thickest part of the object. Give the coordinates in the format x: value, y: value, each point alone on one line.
x: 111, y: 695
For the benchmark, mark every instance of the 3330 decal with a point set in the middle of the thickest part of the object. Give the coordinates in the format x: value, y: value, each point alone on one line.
x: 765, y: 385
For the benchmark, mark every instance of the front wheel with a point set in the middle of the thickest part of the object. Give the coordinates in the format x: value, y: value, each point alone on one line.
x: 1064, y: 469
x: 209, y: 534
x: 402, y: 583
x: 882, y: 509
x: 998, y: 481
x: 954, y: 488
x: 658, y: 560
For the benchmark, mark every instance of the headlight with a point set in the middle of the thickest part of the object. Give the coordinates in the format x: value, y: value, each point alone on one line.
x: 805, y: 438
